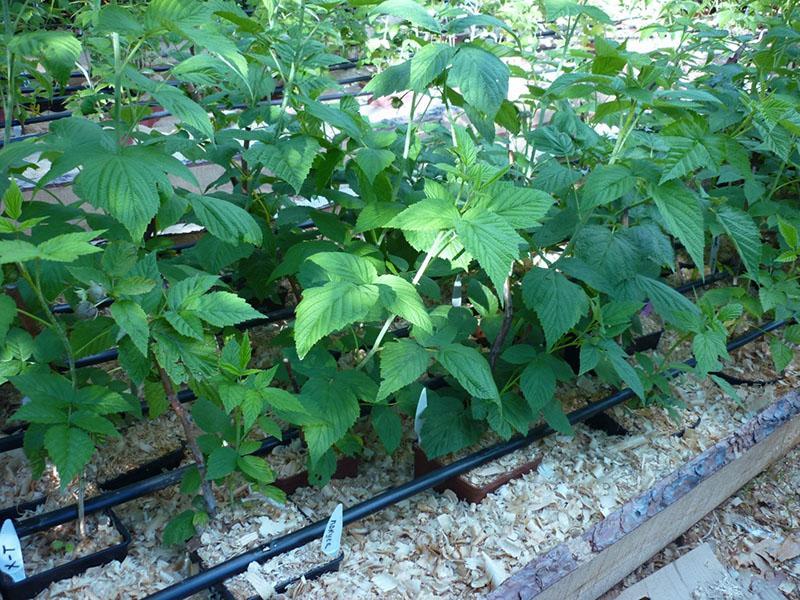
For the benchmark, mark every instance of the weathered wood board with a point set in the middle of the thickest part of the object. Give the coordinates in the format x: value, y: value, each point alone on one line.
x: 586, y: 567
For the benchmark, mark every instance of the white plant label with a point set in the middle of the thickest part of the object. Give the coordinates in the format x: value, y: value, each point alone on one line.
x: 11, y: 552
x: 422, y: 404
x: 332, y: 538
x: 456, y: 298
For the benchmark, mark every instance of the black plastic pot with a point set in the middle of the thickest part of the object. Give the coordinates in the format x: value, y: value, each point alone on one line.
x: 30, y: 586
x: 166, y: 462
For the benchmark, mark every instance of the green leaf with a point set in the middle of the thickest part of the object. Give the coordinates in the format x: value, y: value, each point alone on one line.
x: 553, y: 413
x: 133, y: 321
x: 93, y: 423
x: 522, y: 208
x: 12, y: 199
x: 257, y: 468
x: 224, y: 308
x: 225, y: 220
x: 340, y: 266
x: 402, y: 363
x: 428, y: 63
x: 329, y: 308
x: 70, y: 449
x: 789, y: 233
x: 389, y: 81
x: 605, y: 184
x: 745, y: 235
x: 675, y: 308
x: 289, y: 159
x: 470, y: 369
x: 221, y: 462
x: 401, y: 298
x: 684, y: 156
x: 156, y: 398
x: 683, y: 217
x: 411, y: 11
x: 492, y: 241
x: 558, y: 302
x: 538, y: 384
x: 335, y: 408
x: 372, y: 161
x: 481, y: 77
x: 183, y: 108
x: 12, y: 251
x: 430, y: 214
x: 69, y: 246
x: 620, y: 364
x: 8, y: 312
x: 448, y: 427
x: 388, y: 426
x: 708, y: 346
x: 180, y: 529
x: 782, y: 355
x: 124, y: 184
x: 40, y: 411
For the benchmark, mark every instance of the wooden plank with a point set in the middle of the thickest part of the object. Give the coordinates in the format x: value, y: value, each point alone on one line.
x: 679, y: 579
x: 587, y: 566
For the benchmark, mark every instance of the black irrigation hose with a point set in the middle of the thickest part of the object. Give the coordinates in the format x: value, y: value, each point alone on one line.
x: 280, y: 545
x: 127, y: 493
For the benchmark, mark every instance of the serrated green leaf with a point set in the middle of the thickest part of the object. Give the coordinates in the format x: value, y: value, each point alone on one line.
x: 684, y: 156
x: 8, y: 312
x: 401, y: 298
x: 132, y: 320
x: 447, y: 427
x: 782, y: 355
x: 341, y: 266
x: 372, y: 161
x: 224, y: 308
x: 411, y: 11
x: 12, y: 199
x: 335, y: 410
x: 708, y: 346
x: 618, y: 359
x: 605, y: 184
x: 683, y: 217
x: 470, y: 368
x: 521, y: 207
x: 329, y: 308
x: 12, y: 251
x: 388, y: 426
x: 429, y: 62
x: 430, y: 214
x: 288, y: 159
x: 558, y: 302
x: 221, y: 462
x: 225, y: 220
x: 69, y: 246
x: 402, y: 363
x: 745, y: 235
x: 492, y: 241
x: 481, y: 77
x: 70, y: 449
x: 538, y: 384
x: 257, y: 468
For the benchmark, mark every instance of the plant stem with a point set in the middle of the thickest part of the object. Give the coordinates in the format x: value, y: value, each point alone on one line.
x: 432, y: 253
x: 191, y: 440
x: 8, y: 97
x: 81, y: 504
x: 505, y: 327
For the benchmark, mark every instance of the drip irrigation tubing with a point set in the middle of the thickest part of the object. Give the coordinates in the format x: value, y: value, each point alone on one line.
x: 285, y: 543
x: 127, y: 493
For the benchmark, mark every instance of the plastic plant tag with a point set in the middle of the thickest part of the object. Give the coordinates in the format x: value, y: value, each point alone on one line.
x: 332, y: 538
x: 422, y: 404
x: 11, y: 552
x: 456, y: 297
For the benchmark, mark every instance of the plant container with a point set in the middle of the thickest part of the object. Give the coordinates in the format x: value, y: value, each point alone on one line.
x: 346, y: 466
x: 32, y: 585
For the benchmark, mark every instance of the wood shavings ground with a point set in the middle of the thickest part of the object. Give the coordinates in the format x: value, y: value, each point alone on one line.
x: 289, y: 459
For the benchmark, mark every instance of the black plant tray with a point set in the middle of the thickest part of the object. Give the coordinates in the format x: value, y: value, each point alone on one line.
x: 314, y: 573
x: 30, y: 586
x: 167, y: 462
